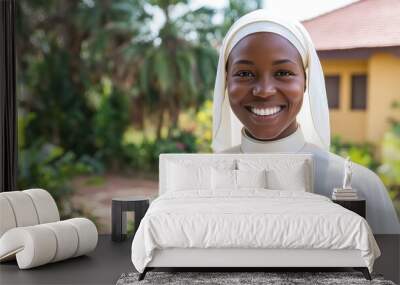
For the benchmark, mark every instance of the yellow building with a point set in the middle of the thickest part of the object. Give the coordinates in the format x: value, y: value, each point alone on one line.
x: 359, y: 48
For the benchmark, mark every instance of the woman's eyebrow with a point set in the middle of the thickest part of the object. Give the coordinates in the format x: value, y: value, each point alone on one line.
x: 276, y: 62
x: 243, y: 61
x: 281, y: 61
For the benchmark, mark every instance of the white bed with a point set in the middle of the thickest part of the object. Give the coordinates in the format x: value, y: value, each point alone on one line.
x: 193, y: 223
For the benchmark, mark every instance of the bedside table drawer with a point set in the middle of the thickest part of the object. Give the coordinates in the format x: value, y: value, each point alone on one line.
x: 357, y: 206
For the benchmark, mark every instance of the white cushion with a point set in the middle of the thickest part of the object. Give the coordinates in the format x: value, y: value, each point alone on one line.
x: 293, y: 181
x: 67, y: 239
x: 45, y: 205
x: 291, y: 175
x: 251, y: 178
x: 26, y: 208
x: 32, y: 246
x: 40, y: 244
x: 232, y: 179
x: 183, y: 177
x: 223, y: 179
x: 23, y: 208
x: 87, y: 233
x: 7, y: 218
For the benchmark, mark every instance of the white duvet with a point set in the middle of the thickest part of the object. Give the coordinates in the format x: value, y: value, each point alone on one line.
x: 250, y: 219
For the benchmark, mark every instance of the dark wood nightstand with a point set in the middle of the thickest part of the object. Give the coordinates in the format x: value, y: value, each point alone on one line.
x: 358, y: 206
x: 119, y: 207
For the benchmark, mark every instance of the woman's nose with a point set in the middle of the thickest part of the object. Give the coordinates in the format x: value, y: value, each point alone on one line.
x: 265, y: 87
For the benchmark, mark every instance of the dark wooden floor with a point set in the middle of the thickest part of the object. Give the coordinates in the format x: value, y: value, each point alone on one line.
x: 103, y: 266
x: 110, y: 260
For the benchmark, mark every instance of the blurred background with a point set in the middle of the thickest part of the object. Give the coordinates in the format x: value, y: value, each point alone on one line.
x: 104, y: 87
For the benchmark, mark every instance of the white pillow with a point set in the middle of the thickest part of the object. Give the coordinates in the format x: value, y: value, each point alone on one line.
x: 223, y: 179
x: 251, y: 178
x: 183, y: 177
x: 232, y: 179
x: 295, y: 180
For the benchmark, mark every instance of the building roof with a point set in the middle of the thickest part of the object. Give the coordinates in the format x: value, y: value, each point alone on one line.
x: 362, y: 24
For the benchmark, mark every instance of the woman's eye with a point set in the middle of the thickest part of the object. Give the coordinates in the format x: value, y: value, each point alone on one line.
x: 284, y: 73
x: 244, y: 74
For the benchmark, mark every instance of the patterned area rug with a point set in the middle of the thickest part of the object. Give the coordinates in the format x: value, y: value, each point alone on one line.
x: 230, y: 278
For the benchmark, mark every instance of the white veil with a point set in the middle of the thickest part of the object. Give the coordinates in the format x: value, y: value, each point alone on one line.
x: 314, y: 114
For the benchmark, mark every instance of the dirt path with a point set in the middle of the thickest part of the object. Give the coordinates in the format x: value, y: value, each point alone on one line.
x: 94, y: 194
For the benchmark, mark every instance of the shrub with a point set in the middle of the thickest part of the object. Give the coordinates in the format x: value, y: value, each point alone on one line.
x: 359, y: 153
x: 47, y: 166
x: 390, y: 168
x: 50, y: 167
x: 110, y: 123
x: 204, y: 127
x: 145, y: 156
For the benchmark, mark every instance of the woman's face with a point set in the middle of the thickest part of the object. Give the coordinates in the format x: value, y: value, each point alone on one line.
x: 266, y: 83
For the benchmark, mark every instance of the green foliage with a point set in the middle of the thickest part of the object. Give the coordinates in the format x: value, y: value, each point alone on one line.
x: 71, y: 52
x: 47, y: 166
x: 236, y: 9
x: 181, y: 142
x: 110, y: 122
x: 65, y: 50
x: 390, y: 168
x: 62, y: 115
x: 145, y: 156
x: 178, y: 64
x: 50, y: 167
x: 204, y: 127
x: 360, y: 153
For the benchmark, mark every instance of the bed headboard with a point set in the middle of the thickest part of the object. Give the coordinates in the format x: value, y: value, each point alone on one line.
x: 284, y: 162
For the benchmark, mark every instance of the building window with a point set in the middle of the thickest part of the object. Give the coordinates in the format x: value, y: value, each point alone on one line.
x: 359, y: 92
x: 332, y: 83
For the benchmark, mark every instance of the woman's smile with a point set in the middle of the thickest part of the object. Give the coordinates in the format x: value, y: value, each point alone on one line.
x: 264, y: 114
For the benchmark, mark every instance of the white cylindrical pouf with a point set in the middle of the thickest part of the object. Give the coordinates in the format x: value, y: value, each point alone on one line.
x: 7, y: 218
x: 34, y: 245
x: 67, y: 239
x: 87, y: 234
x: 23, y: 208
x: 45, y: 205
x: 40, y: 244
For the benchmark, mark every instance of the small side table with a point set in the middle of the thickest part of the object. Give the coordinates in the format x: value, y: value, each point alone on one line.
x: 358, y: 206
x: 120, y: 206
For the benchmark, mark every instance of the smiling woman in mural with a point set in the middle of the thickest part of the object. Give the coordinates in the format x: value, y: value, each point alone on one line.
x: 270, y: 97
x: 265, y: 83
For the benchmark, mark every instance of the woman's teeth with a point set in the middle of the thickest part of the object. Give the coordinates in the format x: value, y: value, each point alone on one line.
x: 266, y: 111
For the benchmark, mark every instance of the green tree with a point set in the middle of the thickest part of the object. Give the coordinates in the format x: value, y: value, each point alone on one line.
x: 177, y: 65
x: 234, y: 10
x: 68, y: 49
x: 64, y: 50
